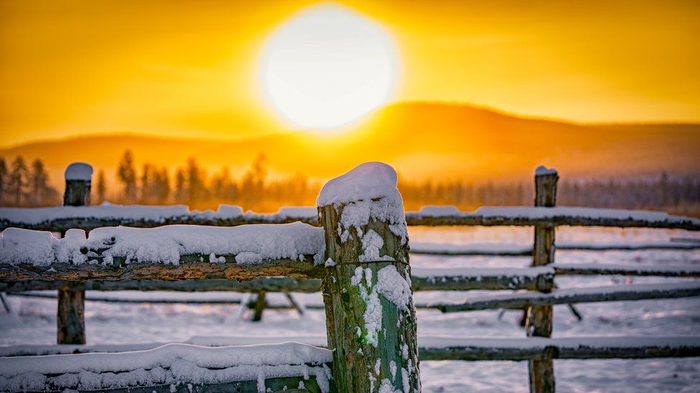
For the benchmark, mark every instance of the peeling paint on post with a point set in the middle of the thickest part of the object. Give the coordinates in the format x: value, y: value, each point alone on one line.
x: 370, y: 314
x: 70, y: 315
x: 539, y: 318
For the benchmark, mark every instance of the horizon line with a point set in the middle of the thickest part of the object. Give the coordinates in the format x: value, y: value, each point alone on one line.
x: 127, y: 133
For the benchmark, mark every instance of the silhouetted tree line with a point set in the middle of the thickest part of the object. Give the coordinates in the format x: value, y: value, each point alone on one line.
x: 466, y: 196
x: 679, y: 195
x: 191, y: 184
x: 22, y: 185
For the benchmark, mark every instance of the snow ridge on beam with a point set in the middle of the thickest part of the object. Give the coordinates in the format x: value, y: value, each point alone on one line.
x: 535, y: 348
x: 577, y: 295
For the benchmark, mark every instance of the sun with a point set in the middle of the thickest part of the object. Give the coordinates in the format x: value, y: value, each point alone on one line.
x: 328, y: 66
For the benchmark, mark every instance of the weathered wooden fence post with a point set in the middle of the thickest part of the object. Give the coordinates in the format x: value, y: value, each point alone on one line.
x: 370, y: 315
x: 78, y: 178
x: 539, y: 318
x: 260, y: 303
x: 71, y: 300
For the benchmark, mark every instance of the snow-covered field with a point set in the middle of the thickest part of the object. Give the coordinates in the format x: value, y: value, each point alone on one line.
x: 34, y: 321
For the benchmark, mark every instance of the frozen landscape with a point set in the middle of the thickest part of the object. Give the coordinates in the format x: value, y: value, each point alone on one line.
x: 142, y: 325
x: 349, y: 196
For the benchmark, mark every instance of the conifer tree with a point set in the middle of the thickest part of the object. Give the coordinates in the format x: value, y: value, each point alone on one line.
x: 101, y: 186
x: 127, y: 176
x: 17, y: 182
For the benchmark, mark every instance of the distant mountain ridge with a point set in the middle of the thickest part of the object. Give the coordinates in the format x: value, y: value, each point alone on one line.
x: 422, y: 140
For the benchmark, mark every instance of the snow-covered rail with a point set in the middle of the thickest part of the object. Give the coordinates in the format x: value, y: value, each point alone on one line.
x: 591, y: 269
x: 174, y: 368
x: 63, y: 218
x: 159, y: 254
x: 501, y: 249
x: 464, y: 279
x: 435, y: 347
x: 166, y: 245
x: 536, y: 348
x: 579, y: 295
x: 137, y: 275
x: 256, y: 285
x: 301, y: 277
x: 212, y: 277
x: 550, y: 216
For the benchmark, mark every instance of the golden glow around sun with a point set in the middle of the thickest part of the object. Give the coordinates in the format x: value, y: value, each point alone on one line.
x: 328, y: 66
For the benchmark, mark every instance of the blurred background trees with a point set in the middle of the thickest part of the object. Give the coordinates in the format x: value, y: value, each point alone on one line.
x: 191, y: 184
x: 22, y: 185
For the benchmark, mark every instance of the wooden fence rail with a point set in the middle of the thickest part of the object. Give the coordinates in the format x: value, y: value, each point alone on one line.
x: 560, y: 348
x: 58, y: 274
x: 438, y: 348
x: 25, y: 278
x: 571, y: 296
x: 174, y: 368
x: 204, y: 276
x: 227, y: 368
x: 500, y: 250
x: 266, y: 284
x: 61, y: 219
x: 552, y: 220
x: 622, y: 270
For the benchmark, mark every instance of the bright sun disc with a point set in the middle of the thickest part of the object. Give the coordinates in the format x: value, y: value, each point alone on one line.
x: 328, y: 66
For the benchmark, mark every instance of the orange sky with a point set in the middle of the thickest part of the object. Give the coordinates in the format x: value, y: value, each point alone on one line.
x: 189, y: 69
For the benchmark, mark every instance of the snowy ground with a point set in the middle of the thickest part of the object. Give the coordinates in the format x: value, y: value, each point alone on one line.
x: 107, y: 323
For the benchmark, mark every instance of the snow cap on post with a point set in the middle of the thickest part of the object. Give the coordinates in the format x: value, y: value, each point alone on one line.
x: 78, y: 183
x: 366, y: 193
x: 78, y: 171
x: 544, y: 171
x: 371, y: 180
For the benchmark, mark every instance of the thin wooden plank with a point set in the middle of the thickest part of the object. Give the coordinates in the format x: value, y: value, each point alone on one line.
x: 95, y: 275
x: 564, y: 348
x: 569, y: 296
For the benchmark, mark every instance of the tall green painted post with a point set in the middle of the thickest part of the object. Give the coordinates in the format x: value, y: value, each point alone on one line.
x: 370, y: 314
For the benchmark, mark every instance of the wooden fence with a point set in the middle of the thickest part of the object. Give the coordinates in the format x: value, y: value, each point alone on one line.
x: 338, y: 277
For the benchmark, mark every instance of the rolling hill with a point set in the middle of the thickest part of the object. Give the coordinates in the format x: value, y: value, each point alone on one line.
x: 422, y: 140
